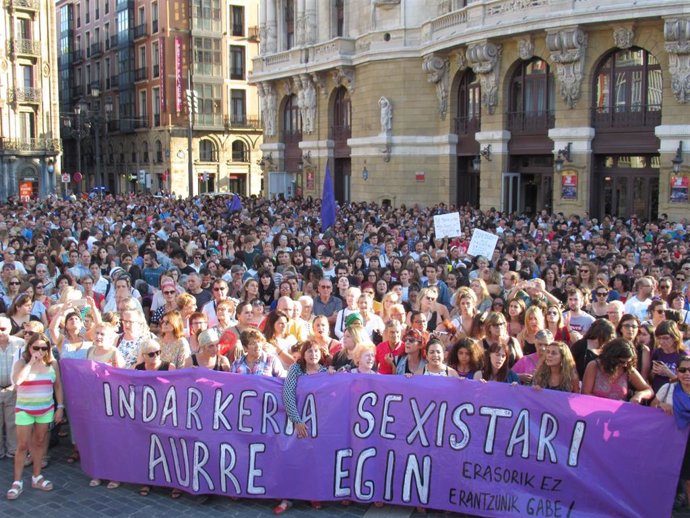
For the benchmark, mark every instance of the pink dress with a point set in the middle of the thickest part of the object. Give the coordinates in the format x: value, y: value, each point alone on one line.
x: 608, y: 388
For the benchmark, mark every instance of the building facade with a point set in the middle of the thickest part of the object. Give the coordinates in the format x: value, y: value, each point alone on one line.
x: 29, y: 129
x: 571, y: 105
x: 132, y: 75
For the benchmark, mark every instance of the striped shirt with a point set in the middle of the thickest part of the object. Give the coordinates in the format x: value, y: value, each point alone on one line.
x: 35, y: 394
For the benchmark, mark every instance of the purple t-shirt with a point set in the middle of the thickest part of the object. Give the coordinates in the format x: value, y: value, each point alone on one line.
x: 670, y: 360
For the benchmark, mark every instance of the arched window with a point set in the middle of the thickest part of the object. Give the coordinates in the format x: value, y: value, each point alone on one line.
x: 207, y: 151
x: 469, y: 104
x: 159, y: 151
x: 627, y: 90
x: 292, y: 120
x: 531, y: 98
x: 239, y: 152
x: 145, y: 152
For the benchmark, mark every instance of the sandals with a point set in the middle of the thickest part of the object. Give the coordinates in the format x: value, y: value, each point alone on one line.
x: 175, y: 494
x: 144, y: 491
x: 73, y: 458
x: 95, y: 482
x: 112, y: 485
x: 42, y: 483
x: 282, y: 507
x: 16, y: 490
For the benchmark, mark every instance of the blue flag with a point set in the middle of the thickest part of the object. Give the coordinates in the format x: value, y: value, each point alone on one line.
x: 235, y: 204
x: 327, y: 201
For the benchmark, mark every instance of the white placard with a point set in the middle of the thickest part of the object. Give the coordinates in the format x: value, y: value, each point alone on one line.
x: 447, y: 225
x: 482, y: 243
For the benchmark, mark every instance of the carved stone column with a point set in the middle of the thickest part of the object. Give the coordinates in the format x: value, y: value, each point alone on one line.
x: 269, y: 107
x: 677, y: 37
x: 262, y: 26
x: 436, y: 69
x: 567, y: 48
x: 310, y: 26
x: 484, y: 58
x: 271, y: 27
x: 306, y: 100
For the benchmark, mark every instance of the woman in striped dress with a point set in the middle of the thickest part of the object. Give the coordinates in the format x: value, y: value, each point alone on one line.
x: 37, y: 378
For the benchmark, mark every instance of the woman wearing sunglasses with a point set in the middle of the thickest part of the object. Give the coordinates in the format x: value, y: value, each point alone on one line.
x: 37, y: 378
x: 674, y: 399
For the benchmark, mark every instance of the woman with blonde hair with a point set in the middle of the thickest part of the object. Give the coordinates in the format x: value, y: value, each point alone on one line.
x: 352, y: 295
x: 534, y: 322
x: 354, y: 336
x: 484, y: 299
x: 465, y: 310
x: 364, y: 357
x: 557, y: 369
x: 389, y: 300
x: 174, y: 346
x: 434, y: 311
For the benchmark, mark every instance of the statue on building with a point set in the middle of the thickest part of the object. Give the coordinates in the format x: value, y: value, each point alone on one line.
x: 269, y: 111
x: 308, y: 94
x: 386, y: 116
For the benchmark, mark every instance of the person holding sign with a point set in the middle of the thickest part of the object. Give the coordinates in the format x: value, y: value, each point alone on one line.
x: 37, y: 378
x: 312, y: 360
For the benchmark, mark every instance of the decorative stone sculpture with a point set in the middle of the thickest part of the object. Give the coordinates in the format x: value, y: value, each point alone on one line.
x: 526, y: 48
x: 436, y: 69
x: 307, y: 94
x: 567, y: 48
x: 386, y: 116
x: 484, y: 58
x: 345, y: 76
x: 677, y: 36
x: 623, y: 37
x: 269, y: 111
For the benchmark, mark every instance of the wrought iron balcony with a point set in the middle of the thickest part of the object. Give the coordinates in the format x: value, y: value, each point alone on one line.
x: 24, y: 47
x: 629, y: 117
x: 77, y: 56
x: 239, y: 121
x: 25, y: 95
x: 140, y: 31
x: 141, y: 122
x: 531, y: 122
x: 141, y: 74
x: 96, y: 49
x: 30, y: 145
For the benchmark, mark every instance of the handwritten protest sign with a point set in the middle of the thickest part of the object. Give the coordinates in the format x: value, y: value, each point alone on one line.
x: 482, y: 243
x: 489, y: 449
x: 447, y: 225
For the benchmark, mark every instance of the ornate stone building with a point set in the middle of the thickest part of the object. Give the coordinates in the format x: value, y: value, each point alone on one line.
x: 126, y: 67
x: 574, y: 105
x: 29, y: 129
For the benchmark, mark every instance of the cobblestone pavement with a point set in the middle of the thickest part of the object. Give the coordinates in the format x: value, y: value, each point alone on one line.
x: 73, y: 498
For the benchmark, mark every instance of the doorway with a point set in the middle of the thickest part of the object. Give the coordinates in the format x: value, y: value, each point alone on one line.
x: 626, y: 185
x: 510, y: 189
x: 342, y: 173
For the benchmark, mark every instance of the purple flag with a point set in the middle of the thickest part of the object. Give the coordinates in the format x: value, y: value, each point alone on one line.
x: 236, y: 204
x: 489, y: 449
x: 327, y: 201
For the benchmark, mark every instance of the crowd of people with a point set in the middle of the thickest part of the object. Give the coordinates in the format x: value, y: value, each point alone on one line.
x: 145, y: 282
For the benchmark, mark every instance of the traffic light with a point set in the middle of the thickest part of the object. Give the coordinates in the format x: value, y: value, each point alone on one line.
x: 192, y: 100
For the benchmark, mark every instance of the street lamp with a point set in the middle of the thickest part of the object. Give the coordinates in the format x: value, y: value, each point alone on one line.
x: 563, y: 155
x: 677, y: 160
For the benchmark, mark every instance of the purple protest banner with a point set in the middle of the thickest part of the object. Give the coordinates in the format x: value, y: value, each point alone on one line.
x: 489, y: 449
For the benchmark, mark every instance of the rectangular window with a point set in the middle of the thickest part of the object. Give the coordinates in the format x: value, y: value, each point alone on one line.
x: 154, y: 17
x: 237, y: 20
x: 27, y: 76
x: 154, y: 59
x: 238, y: 107
x: 107, y: 6
x: 98, y: 9
x: 289, y: 24
x: 206, y: 15
x: 156, y: 107
x: 210, y: 101
x: 339, y: 18
x: 142, y: 105
x: 207, y: 58
x: 27, y: 125
x: 236, y: 62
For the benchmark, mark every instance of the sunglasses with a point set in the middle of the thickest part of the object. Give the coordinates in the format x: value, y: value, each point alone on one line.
x: 219, y: 289
x: 169, y: 292
x: 659, y: 311
x: 665, y: 286
x: 552, y: 313
x: 602, y: 293
x: 41, y: 349
x: 153, y: 354
x: 683, y: 370
x: 14, y: 283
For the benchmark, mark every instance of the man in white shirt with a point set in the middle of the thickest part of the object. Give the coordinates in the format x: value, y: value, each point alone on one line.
x: 639, y: 304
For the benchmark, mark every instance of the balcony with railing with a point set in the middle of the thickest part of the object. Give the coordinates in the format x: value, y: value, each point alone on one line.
x: 641, y: 117
x: 141, y: 74
x: 531, y: 122
x: 96, y: 49
x: 30, y: 145
x: 24, y: 47
x: 24, y: 5
x: 77, y: 56
x: 467, y: 125
x: 140, y: 31
x: 242, y: 122
x: 141, y: 122
x: 25, y: 95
